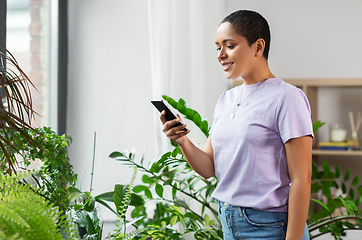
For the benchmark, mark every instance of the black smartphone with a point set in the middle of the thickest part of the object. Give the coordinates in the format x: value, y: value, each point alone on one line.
x: 160, y: 105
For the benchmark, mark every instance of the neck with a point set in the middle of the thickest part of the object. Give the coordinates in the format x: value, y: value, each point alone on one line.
x: 259, y: 74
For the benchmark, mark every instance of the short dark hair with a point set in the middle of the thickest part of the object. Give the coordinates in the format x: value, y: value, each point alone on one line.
x: 252, y: 26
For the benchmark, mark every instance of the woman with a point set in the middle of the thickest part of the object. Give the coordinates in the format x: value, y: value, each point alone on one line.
x: 260, y: 142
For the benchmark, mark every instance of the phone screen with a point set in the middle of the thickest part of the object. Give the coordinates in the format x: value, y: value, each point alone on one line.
x: 160, y: 105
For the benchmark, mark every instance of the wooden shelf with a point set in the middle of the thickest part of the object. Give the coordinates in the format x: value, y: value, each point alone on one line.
x: 318, y: 82
x: 317, y: 152
x: 336, y: 82
x: 310, y: 88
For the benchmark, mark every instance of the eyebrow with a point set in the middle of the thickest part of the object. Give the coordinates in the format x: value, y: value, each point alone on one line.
x: 225, y: 40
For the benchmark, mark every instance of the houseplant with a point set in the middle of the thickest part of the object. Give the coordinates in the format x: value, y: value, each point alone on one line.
x: 25, y: 214
x: 16, y: 110
x: 84, y: 210
x: 56, y: 173
x: 19, y: 142
x: 173, y: 172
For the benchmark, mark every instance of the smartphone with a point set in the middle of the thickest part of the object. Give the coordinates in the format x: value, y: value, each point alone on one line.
x: 160, y: 105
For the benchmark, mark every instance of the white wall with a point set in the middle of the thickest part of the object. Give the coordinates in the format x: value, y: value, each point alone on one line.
x: 109, y: 70
x: 108, y: 91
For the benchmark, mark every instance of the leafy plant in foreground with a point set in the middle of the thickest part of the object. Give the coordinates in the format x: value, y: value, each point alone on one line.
x: 16, y: 109
x: 25, y: 214
x: 56, y: 173
x: 172, y: 174
x: 330, y: 219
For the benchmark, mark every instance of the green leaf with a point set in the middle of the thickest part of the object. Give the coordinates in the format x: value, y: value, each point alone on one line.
x: 105, y: 204
x: 351, y: 193
x: 107, y: 196
x: 74, y: 193
x: 189, y: 113
x: 191, y: 215
x: 326, y: 191
x: 173, y: 220
x: 197, y: 119
x: 210, y: 189
x: 359, y: 189
x: 175, y: 152
x: 89, y: 205
x: 136, y: 200
x: 326, y: 169
x: 344, y: 188
x: 346, y: 176
x: 177, y: 209
x: 147, y: 179
x: 148, y: 194
x: 317, y: 125
x: 174, y: 190
x: 355, y: 181
x: 119, y: 194
x: 322, y: 204
x: 139, y: 188
x: 358, y: 200
x: 181, y: 107
x: 117, y: 155
x: 338, y: 172
x: 349, y: 225
x: 159, y: 190
x: 207, y: 220
x: 204, y: 126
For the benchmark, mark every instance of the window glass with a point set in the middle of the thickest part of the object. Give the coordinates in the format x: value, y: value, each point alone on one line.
x: 28, y: 38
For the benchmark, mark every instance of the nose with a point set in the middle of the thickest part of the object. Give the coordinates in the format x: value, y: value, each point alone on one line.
x: 221, y: 55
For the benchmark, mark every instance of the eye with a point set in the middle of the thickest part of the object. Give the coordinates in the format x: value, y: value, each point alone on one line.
x: 230, y: 46
x: 218, y: 48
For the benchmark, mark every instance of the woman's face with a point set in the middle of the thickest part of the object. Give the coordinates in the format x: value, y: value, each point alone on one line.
x: 235, y: 55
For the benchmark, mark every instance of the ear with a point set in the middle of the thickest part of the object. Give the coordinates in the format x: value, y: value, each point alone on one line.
x: 259, y: 47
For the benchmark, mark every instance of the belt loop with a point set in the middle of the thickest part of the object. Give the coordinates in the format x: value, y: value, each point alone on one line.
x: 243, y: 212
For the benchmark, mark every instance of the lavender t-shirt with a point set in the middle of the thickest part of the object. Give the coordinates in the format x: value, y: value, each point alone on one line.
x: 249, y: 155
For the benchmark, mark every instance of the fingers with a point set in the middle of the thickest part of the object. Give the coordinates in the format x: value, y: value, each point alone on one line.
x: 174, y: 129
x: 162, y: 117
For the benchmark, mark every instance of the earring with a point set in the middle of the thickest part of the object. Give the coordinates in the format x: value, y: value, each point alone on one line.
x: 259, y: 53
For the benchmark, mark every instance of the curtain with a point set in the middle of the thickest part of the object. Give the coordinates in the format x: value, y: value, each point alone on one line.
x: 183, y: 57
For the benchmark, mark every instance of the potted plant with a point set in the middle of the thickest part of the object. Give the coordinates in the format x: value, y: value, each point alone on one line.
x: 16, y: 109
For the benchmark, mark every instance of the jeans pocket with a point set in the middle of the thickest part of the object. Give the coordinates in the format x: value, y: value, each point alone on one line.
x: 264, y: 219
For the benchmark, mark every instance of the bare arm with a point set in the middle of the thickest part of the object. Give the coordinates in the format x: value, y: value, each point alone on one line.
x: 202, y: 161
x: 299, y: 157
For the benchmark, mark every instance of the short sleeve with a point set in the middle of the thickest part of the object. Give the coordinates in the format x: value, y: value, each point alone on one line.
x: 294, y: 115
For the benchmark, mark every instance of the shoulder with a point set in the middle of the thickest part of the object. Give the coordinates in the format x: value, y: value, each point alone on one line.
x: 283, y: 90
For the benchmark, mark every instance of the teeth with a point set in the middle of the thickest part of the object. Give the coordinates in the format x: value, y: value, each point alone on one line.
x: 226, y: 66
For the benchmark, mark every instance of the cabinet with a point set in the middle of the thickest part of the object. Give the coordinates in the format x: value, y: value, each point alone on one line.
x: 310, y: 88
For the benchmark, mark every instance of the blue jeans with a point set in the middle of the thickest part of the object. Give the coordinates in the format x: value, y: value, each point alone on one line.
x: 247, y: 223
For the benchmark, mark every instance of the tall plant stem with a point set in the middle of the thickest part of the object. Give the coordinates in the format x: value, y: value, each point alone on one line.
x: 94, y: 153
x: 332, y: 220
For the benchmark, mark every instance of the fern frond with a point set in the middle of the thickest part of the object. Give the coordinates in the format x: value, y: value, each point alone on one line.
x: 127, y: 197
x: 26, y: 213
x: 7, y: 214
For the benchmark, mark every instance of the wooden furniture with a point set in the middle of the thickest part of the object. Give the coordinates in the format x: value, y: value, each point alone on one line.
x: 310, y: 88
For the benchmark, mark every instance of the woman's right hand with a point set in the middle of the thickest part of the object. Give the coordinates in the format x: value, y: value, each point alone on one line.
x: 175, y: 134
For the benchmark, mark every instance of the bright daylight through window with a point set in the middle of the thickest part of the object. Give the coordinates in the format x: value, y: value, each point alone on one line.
x: 30, y: 38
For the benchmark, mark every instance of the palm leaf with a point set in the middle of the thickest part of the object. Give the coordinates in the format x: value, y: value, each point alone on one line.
x: 16, y: 110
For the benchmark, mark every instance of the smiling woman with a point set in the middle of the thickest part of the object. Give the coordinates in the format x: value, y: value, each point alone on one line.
x: 261, y: 154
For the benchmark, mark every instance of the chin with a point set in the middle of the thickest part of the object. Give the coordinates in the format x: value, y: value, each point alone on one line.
x: 230, y: 77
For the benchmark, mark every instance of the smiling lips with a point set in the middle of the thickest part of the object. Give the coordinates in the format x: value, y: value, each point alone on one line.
x: 226, y: 66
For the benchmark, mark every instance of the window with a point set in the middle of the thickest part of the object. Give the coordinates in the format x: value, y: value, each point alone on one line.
x: 31, y: 36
